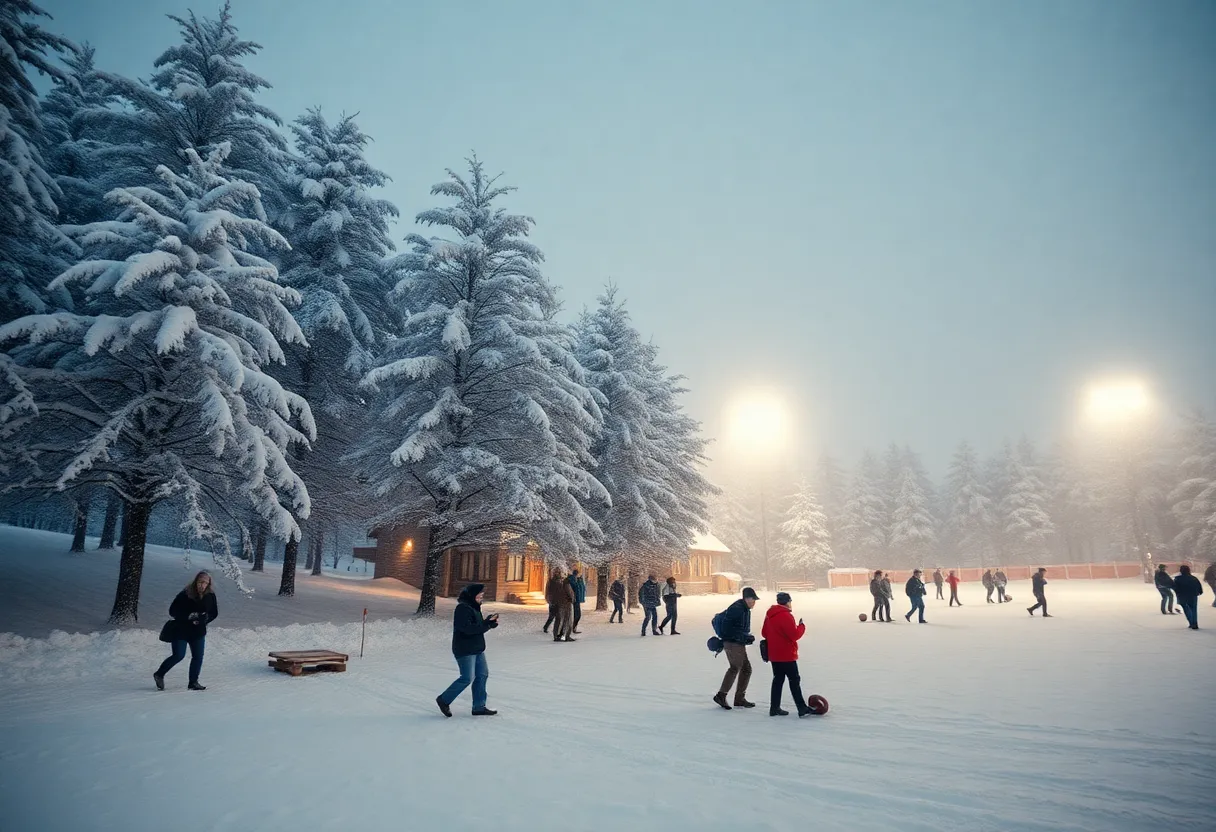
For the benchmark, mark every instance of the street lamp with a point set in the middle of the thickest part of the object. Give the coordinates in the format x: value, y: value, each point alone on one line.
x: 757, y: 426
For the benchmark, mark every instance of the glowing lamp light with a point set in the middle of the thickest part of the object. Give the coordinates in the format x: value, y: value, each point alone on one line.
x: 408, y: 545
x: 757, y: 423
x: 1117, y: 401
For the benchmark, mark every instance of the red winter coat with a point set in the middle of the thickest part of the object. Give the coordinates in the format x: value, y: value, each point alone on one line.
x: 782, y: 634
x: 953, y: 581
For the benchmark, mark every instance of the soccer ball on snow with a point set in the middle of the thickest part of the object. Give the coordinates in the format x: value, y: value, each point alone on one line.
x: 861, y: 616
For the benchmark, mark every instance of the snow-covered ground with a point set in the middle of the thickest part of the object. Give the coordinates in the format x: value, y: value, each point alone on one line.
x: 986, y: 719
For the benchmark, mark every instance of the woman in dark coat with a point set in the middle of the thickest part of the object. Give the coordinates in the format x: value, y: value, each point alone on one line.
x: 469, y: 630
x: 192, y: 610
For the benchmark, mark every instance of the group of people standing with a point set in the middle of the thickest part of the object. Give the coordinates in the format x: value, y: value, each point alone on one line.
x: 567, y: 594
x: 914, y: 588
x: 1186, y: 588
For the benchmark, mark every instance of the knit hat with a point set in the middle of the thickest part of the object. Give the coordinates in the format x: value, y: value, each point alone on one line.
x: 783, y: 598
x: 748, y: 592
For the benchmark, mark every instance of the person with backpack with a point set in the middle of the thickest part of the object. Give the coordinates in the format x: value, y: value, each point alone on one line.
x: 1209, y: 578
x: 1038, y: 584
x: 578, y: 588
x: 192, y: 610
x: 879, y: 598
x: 560, y: 596
x: 669, y: 600
x: 1165, y: 585
x: 1002, y: 581
x: 735, y: 630
x: 915, y: 590
x: 648, y: 597
x: 953, y: 581
x: 937, y: 579
x: 887, y: 595
x: 989, y: 583
x: 469, y: 628
x: 616, y: 593
x: 781, y: 635
x: 1188, y: 589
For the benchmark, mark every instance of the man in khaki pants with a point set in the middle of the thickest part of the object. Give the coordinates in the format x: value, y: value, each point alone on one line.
x: 736, y: 635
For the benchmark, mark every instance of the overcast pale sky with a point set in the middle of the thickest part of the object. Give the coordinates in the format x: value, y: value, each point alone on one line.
x: 925, y: 221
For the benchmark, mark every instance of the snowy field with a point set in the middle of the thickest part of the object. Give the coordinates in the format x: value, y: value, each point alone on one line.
x: 985, y: 719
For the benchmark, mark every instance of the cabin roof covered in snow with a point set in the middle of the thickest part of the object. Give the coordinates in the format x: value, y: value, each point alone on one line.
x: 708, y: 543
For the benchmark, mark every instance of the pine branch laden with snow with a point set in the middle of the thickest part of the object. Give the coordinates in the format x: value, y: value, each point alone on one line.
x: 863, y: 525
x: 971, y: 509
x: 806, y: 543
x: 157, y: 388
x: 648, y: 454
x: 1023, y: 514
x: 483, y: 424
x: 1193, y: 498
x: 914, y: 533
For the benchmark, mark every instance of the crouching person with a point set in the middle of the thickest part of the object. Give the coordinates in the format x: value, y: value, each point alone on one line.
x: 782, y: 635
x: 469, y: 630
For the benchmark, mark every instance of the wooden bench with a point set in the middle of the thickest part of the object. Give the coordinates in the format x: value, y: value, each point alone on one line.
x: 796, y: 586
x: 297, y: 662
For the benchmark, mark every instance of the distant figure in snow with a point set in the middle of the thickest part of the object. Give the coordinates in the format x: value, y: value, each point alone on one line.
x: 192, y: 610
x: 469, y: 630
x: 560, y: 596
x: 915, y: 590
x: 1165, y: 585
x: 887, y: 596
x: 579, y: 587
x: 616, y: 593
x: 1209, y: 578
x: 669, y: 600
x: 937, y: 580
x: 550, y: 599
x: 1038, y: 583
x: 879, y: 598
x: 736, y: 636
x: 989, y: 583
x: 1188, y: 589
x: 782, y: 635
x: 953, y: 581
x: 648, y: 597
x: 1002, y: 581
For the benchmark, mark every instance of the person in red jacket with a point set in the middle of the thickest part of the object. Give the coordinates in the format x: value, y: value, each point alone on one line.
x: 953, y: 581
x: 782, y: 635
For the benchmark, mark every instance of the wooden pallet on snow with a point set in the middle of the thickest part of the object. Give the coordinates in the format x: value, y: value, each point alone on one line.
x: 297, y: 662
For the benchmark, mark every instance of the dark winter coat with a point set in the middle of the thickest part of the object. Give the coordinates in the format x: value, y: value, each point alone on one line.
x: 1209, y: 574
x: 204, y: 609
x: 782, y: 634
x: 648, y: 594
x: 886, y: 588
x: 737, y: 624
x: 988, y: 581
x: 1163, y: 580
x: 937, y: 578
x: 1001, y: 578
x: 876, y: 588
x: 559, y: 593
x: 468, y: 627
x: 915, y: 587
x: 1037, y: 582
x: 579, y: 587
x: 1187, y: 587
x: 617, y: 591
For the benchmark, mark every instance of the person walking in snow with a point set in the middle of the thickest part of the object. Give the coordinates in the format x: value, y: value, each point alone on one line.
x: 616, y: 593
x: 1165, y: 585
x: 937, y: 580
x: 1209, y: 578
x: 1038, y: 584
x: 989, y: 583
x: 669, y: 600
x: 648, y: 597
x: 887, y: 595
x: 736, y: 635
x: 1188, y: 589
x: 915, y: 590
x: 953, y: 581
x: 578, y: 587
x: 192, y: 610
x: 879, y: 598
x: 469, y: 628
x: 782, y: 635
x: 1002, y: 581
x: 560, y: 596
x: 551, y: 599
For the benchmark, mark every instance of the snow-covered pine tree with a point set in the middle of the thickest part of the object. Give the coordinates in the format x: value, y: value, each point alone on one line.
x: 339, y: 235
x: 1023, y: 511
x: 806, y: 543
x: 735, y: 520
x: 863, y: 529
x: 485, y: 425
x: 832, y: 489
x: 201, y: 95
x: 914, y: 534
x: 1074, y: 503
x: 1194, y: 496
x: 157, y: 388
x: 971, y: 510
x: 29, y: 238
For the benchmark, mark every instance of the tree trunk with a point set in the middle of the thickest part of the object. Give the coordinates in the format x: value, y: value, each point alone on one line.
x: 81, y: 525
x: 259, y: 549
x: 126, y: 521
x: 430, y: 580
x: 110, y: 524
x: 131, y: 567
x: 631, y: 588
x: 318, y: 550
x: 308, y: 556
x: 601, y: 588
x: 291, y: 553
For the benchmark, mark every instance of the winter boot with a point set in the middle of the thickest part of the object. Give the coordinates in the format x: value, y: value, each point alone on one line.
x: 719, y: 698
x: 160, y: 681
x: 567, y: 638
x: 444, y: 708
x: 674, y: 633
x: 777, y: 712
x: 195, y: 686
x: 743, y: 703
x: 1031, y: 611
x: 484, y: 712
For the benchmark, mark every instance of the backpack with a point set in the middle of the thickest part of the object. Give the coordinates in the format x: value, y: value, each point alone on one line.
x: 715, y: 641
x: 764, y: 650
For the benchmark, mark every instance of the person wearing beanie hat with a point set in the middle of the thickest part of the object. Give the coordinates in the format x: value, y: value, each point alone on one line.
x: 736, y: 634
x: 782, y: 635
x: 469, y: 628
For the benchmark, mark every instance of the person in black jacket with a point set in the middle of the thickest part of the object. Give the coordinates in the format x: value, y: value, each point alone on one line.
x: 670, y: 596
x: 469, y: 630
x: 1037, y: 583
x: 648, y: 597
x: 1165, y: 585
x: 1188, y: 589
x: 617, y: 593
x: 1209, y: 578
x: 192, y: 610
x: 915, y: 590
x: 736, y: 635
x: 879, y: 596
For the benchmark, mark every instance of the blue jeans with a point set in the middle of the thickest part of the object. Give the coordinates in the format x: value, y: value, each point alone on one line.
x: 1190, y: 608
x: 652, y: 617
x: 1167, y: 597
x: 475, y: 670
x: 179, y: 645
x: 918, y: 603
